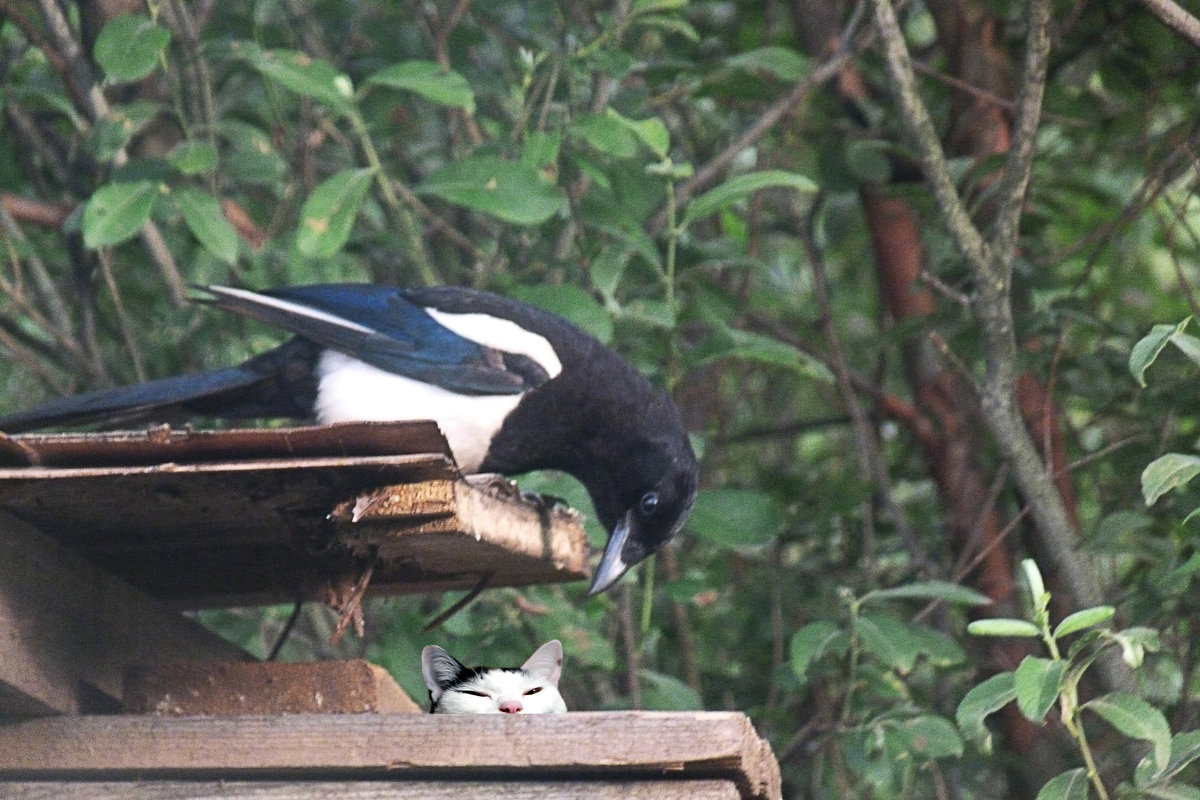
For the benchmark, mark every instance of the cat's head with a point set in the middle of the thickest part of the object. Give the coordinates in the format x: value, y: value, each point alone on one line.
x: 531, y: 688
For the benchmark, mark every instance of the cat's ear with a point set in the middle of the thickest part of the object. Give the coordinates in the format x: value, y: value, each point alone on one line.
x: 440, y: 670
x: 546, y: 662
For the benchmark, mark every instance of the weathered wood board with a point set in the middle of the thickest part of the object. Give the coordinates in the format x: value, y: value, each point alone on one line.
x: 500, y: 749
x: 68, y: 628
x: 350, y: 686
x: 376, y: 790
x: 209, y: 518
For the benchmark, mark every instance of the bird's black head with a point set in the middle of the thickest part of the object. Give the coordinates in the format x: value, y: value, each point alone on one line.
x: 644, y: 504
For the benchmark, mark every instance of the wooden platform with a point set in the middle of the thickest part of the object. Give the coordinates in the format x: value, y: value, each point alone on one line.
x: 609, y: 754
x: 209, y: 518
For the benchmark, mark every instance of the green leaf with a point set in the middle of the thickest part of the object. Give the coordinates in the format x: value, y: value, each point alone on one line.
x: 1137, y: 719
x: 117, y: 211
x: 726, y: 342
x: 193, y: 157
x: 304, y: 75
x: 666, y: 693
x: 1166, y: 473
x: 931, y: 590
x: 651, y: 131
x: 129, y: 47
x: 571, y: 302
x: 1135, y: 642
x: 250, y: 155
x: 426, y: 78
x: 1038, y: 682
x: 930, y: 736
x: 741, y: 187
x: 1150, y: 346
x: 657, y: 6
x: 670, y: 24
x: 202, y: 213
x: 1188, y: 345
x: 541, y: 149
x: 508, y: 190
x: 121, y: 124
x: 890, y: 642
x: 1003, y: 627
x: 941, y: 650
x: 1071, y: 785
x: 783, y: 63
x: 327, y: 216
x: 812, y: 642
x: 736, y: 518
x: 1185, y: 748
x: 984, y: 699
x: 1033, y: 580
x: 606, y: 134
x: 1120, y: 523
x: 1174, y: 791
x: 1086, y: 618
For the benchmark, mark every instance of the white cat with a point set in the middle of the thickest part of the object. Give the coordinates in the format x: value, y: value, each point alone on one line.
x: 531, y: 688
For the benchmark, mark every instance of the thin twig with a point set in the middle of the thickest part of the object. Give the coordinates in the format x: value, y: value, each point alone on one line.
x: 711, y: 170
x: 123, y: 321
x: 459, y: 604
x: 870, y: 459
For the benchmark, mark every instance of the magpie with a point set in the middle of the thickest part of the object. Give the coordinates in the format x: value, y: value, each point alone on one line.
x: 514, y: 388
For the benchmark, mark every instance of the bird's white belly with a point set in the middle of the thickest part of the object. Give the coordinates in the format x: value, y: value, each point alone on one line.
x: 349, y: 390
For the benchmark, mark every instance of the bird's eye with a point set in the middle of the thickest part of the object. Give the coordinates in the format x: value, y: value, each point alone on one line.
x: 649, y: 503
x: 534, y: 690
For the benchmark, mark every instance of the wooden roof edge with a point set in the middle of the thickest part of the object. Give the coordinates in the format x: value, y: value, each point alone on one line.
x: 631, y: 744
x: 489, y: 508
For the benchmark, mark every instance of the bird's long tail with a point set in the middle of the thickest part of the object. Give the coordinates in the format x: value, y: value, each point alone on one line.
x: 278, y: 383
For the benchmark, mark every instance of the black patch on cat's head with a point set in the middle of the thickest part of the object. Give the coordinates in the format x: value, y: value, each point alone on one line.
x: 443, y: 672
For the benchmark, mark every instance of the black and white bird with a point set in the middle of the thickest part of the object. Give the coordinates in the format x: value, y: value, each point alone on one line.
x: 513, y: 388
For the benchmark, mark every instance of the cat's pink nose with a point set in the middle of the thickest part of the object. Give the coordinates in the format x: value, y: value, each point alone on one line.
x: 511, y: 706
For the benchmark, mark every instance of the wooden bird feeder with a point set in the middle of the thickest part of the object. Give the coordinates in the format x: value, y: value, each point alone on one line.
x: 106, y: 537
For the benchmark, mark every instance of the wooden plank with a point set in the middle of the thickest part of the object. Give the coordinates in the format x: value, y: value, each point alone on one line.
x: 254, y: 532
x: 596, y: 745
x: 315, y: 789
x: 66, y: 624
x: 162, y: 444
x: 484, y: 527
x: 351, y: 686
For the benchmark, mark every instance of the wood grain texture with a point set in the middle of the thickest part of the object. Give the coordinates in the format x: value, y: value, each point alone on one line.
x: 595, y: 745
x: 252, y: 528
x: 375, y: 790
x: 66, y: 624
x: 351, y: 686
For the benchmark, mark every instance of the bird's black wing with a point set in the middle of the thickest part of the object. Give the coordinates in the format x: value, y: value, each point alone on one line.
x: 379, y: 326
x: 275, y: 384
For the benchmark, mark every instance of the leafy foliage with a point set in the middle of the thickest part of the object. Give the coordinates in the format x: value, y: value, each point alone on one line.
x: 685, y: 180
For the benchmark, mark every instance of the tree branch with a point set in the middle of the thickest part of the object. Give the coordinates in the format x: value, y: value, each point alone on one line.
x: 920, y: 130
x: 1175, y: 18
x: 1015, y: 180
x: 992, y: 271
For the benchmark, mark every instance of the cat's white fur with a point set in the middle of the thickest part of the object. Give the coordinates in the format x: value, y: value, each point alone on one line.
x: 531, y: 688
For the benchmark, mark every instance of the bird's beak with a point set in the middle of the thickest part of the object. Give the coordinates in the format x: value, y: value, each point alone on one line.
x: 612, y: 566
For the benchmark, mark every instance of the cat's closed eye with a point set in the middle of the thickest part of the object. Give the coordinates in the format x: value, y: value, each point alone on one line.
x: 474, y: 693
x: 534, y: 690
